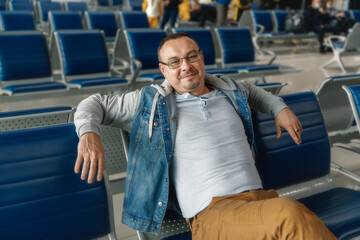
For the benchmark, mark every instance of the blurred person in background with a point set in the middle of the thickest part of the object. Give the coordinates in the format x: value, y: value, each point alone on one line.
x: 153, y: 10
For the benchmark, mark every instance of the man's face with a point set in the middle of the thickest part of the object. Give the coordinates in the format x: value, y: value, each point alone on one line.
x: 189, y: 77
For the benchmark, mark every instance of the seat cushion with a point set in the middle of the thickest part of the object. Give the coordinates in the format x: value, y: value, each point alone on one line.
x: 34, y: 111
x: 90, y: 82
x: 256, y: 68
x: 25, y: 88
x: 339, y: 208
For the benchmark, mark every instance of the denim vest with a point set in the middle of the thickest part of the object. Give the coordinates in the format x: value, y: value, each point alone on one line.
x: 147, y: 194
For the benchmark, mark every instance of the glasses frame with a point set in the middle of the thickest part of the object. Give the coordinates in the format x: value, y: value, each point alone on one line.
x: 181, y: 61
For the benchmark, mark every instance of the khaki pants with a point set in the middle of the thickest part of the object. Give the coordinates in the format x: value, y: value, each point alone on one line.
x: 257, y: 214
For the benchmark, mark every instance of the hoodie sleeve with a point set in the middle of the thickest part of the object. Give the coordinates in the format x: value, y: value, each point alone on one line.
x: 112, y: 110
x: 263, y: 101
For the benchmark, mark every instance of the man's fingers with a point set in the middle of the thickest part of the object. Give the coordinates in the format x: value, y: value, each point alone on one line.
x: 85, y: 168
x: 78, y: 162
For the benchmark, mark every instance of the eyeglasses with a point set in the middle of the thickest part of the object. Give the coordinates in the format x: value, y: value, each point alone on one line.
x: 177, y: 62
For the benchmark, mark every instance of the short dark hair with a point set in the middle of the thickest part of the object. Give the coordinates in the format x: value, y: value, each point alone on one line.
x: 171, y: 37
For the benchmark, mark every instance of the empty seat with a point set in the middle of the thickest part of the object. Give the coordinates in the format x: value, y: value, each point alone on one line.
x: 84, y: 59
x: 106, y: 21
x: 44, y: 7
x: 342, y: 46
x: 25, y: 64
x: 64, y: 21
x: 133, y: 19
x: 41, y: 196
x: 237, y: 52
x: 137, y: 48
x: 75, y: 7
x: 21, y: 6
x: 17, y: 21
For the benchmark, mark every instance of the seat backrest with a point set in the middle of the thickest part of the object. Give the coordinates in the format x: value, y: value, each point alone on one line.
x: 44, y: 7
x: 65, y: 20
x: 334, y: 103
x: 356, y: 15
x: 352, y: 42
x: 205, y: 41
x: 41, y: 196
x: 82, y: 52
x: 35, y: 117
x: 133, y: 19
x: 2, y: 5
x: 24, y: 55
x: 21, y: 6
x: 134, y: 5
x: 16, y: 21
x: 353, y: 93
x: 264, y: 18
x: 280, y: 19
x: 281, y: 162
x: 105, y: 21
x: 236, y: 45
x: 75, y: 6
x: 130, y: 44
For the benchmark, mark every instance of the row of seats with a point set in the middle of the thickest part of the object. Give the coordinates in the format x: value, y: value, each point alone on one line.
x: 233, y: 46
x: 66, y: 201
x: 82, y: 57
x: 26, y: 67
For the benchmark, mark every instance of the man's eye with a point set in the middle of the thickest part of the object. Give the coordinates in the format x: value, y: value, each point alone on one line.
x: 174, y: 62
x: 192, y: 57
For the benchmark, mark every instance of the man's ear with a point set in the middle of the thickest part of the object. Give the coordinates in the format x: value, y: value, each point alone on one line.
x: 161, y: 67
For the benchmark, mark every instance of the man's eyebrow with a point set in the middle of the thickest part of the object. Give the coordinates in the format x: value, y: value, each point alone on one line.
x: 191, y: 51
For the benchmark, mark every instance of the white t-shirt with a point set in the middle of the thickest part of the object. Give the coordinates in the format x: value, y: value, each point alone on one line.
x: 212, y: 157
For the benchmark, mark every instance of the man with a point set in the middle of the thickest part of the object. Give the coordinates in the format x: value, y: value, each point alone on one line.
x: 317, y: 20
x: 194, y: 133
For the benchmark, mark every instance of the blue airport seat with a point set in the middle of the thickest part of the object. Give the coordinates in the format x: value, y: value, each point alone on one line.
x: 17, y: 21
x: 238, y: 52
x: 65, y: 21
x: 25, y: 64
x: 141, y: 56
x: 288, y: 167
x: 353, y: 93
x: 335, y: 105
x: 76, y: 7
x: 21, y: 6
x: 133, y: 19
x: 44, y: 7
x: 343, y: 46
x: 84, y: 59
x: 356, y: 15
x: 133, y: 5
x: 41, y: 196
x: 2, y: 5
x: 103, y: 20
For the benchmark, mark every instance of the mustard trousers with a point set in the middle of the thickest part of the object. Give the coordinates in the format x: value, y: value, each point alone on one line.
x: 259, y: 215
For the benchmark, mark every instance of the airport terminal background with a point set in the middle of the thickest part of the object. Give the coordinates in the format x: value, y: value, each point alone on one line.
x: 300, y: 53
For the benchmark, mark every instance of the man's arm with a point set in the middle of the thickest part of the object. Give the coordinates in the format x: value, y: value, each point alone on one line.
x: 111, y: 110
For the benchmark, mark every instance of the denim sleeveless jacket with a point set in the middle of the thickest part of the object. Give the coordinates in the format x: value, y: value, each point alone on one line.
x: 147, y: 183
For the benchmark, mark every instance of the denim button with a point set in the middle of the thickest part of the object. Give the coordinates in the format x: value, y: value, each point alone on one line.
x: 153, y: 228
x: 156, y: 124
x: 165, y: 180
x: 160, y: 204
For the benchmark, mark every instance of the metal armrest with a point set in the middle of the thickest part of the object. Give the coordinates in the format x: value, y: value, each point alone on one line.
x: 349, y: 147
x: 271, y: 54
x: 337, y: 168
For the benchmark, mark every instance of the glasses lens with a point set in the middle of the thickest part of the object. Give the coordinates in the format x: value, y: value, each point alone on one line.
x: 175, y: 63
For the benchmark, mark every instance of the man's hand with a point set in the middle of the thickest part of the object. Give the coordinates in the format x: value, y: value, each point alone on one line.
x: 91, y: 154
x: 287, y: 119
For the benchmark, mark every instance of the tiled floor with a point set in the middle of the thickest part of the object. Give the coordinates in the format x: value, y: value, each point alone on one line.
x: 305, y: 57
